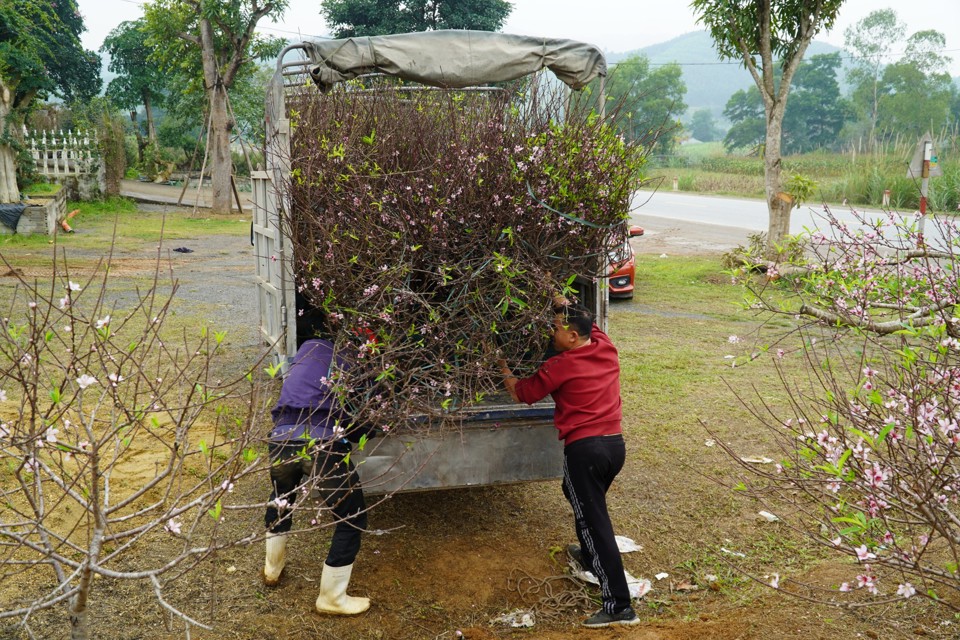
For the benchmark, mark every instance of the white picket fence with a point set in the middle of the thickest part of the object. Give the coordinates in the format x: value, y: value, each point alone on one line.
x: 58, y: 154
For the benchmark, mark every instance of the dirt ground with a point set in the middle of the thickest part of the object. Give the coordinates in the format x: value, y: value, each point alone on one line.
x: 446, y: 564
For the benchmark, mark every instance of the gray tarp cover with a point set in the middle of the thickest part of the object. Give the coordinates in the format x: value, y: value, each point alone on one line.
x: 10, y: 214
x: 454, y: 58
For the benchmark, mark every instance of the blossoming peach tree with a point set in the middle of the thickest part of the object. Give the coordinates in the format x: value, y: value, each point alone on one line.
x: 119, y: 446
x: 869, y: 461
x: 435, y: 228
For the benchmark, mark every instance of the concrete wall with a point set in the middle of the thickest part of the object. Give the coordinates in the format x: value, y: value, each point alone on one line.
x: 41, y: 215
x: 83, y: 186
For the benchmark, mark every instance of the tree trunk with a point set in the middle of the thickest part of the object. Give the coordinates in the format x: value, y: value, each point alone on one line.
x: 876, y: 109
x: 78, y: 625
x: 148, y: 111
x: 9, y: 192
x: 141, y: 143
x: 778, y: 206
x: 221, y: 165
x: 77, y: 610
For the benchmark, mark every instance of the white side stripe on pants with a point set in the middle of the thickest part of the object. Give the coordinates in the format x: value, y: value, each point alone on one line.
x: 588, y: 540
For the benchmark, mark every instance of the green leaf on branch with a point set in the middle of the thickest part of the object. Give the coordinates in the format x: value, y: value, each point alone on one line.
x: 885, y: 432
x: 273, y: 369
x: 857, y: 522
x: 217, y: 509
x: 865, y: 437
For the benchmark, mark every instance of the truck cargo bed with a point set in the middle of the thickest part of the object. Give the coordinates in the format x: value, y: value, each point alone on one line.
x: 497, y: 444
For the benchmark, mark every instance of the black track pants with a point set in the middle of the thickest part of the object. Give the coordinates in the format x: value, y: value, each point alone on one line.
x: 589, y: 467
x: 338, y: 484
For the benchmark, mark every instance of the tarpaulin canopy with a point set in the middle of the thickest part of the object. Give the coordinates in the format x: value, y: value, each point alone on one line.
x: 454, y: 58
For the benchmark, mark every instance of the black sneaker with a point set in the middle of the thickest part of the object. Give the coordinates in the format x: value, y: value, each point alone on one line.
x: 574, y: 553
x: 603, y: 619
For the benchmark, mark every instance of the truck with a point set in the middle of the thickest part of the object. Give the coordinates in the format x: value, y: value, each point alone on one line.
x: 500, y: 442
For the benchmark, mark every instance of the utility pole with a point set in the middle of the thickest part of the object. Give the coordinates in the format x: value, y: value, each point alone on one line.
x: 925, y: 181
x: 924, y: 164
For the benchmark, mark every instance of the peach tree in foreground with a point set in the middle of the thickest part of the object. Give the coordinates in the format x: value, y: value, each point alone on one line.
x: 869, y: 449
x: 120, y: 446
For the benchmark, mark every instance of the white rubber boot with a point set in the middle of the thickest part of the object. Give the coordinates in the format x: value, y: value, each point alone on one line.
x: 333, y: 598
x: 276, y: 558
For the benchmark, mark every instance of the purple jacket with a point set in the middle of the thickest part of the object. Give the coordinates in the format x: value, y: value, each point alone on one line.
x: 307, y: 409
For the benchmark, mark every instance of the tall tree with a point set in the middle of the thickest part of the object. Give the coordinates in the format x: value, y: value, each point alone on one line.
x: 912, y: 102
x: 218, y: 37
x: 40, y: 55
x: 930, y: 106
x: 955, y: 104
x: 744, y: 110
x: 923, y: 51
x: 349, y: 18
x: 911, y: 94
x: 703, y: 126
x: 765, y: 35
x: 872, y: 41
x: 138, y: 81
x: 813, y: 119
x: 817, y: 111
x: 649, y: 101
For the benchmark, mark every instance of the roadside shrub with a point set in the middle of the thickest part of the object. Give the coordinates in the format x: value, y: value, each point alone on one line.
x: 686, y: 183
x: 132, y: 152
x: 710, y: 182
x: 753, y: 257
x: 818, y: 165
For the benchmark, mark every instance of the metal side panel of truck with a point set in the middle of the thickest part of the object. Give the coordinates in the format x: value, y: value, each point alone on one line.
x: 497, y: 443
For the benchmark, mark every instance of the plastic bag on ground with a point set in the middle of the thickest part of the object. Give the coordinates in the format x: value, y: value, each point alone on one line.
x: 518, y: 618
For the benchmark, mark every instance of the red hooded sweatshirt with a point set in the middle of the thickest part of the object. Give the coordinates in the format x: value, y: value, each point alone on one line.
x: 585, y: 385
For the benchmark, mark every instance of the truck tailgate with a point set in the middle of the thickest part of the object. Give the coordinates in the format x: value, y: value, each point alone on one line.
x: 497, y: 444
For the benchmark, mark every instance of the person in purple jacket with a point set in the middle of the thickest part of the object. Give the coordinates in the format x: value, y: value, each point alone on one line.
x: 309, y: 439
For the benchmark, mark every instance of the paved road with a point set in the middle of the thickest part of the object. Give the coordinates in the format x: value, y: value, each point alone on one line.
x: 167, y: 194
x: 730, y: 212
x: 718, y: 223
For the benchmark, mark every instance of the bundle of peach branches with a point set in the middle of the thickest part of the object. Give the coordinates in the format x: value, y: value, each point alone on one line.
x: 434, y: 228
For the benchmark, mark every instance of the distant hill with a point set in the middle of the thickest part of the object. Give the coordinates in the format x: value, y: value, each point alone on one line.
x: 710, y: 81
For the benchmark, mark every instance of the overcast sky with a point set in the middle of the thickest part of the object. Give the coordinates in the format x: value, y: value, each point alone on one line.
x: 613, y: 25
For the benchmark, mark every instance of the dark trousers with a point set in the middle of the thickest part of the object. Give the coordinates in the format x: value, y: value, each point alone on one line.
x: 589, y: 467
x: 293, y: 461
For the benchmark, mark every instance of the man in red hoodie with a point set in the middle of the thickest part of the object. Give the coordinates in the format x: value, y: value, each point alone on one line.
x: 584, y: 381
